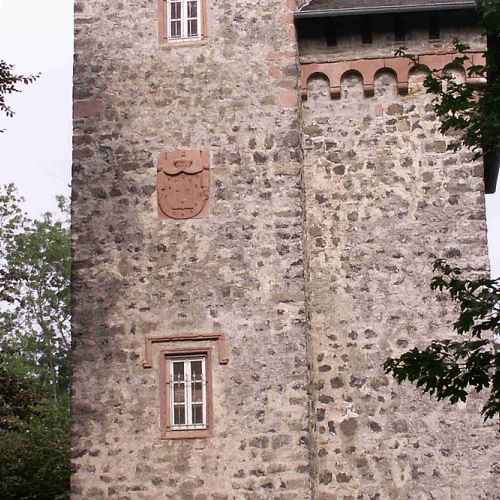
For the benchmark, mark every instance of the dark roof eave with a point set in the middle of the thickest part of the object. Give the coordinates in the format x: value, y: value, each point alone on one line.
x: 491, y: 168
x: 360, y: 11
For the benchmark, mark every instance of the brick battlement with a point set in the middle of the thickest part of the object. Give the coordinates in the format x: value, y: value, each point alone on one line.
x: 369, y: 68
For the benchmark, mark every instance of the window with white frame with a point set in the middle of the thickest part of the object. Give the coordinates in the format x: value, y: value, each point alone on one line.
x: 184, y: 19
x: 188, y: 393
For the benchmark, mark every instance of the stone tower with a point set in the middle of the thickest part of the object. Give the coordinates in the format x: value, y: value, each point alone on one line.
x: 259, y: 190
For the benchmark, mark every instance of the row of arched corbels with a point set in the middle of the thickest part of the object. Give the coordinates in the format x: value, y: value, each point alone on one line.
x: 368, y: 69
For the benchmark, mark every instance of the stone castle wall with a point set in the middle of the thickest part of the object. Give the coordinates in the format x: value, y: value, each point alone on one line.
x: 314, y: 261
x: 384, y: 198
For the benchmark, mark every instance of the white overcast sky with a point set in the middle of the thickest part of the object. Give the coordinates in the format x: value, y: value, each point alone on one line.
x: 35, y: 151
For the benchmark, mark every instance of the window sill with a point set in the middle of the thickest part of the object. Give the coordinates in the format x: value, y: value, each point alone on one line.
x: 194, y: 434
x: 168, y: 43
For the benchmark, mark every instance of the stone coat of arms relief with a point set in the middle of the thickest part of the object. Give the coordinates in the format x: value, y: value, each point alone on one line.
x: 183, y: 184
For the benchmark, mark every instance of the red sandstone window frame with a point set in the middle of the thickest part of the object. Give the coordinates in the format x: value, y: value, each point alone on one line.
x: 166, y: 424
x: 163, y: 21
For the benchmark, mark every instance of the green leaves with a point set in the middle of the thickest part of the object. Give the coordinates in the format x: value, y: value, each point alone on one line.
x: 9, y: 83
x: 445, y: 369
x: 17, y: 400
x: 35, y: 297
x: 35, y: 273
x: 466, y: 106
x: 490, y: 11
x: 35, y: 453
x: 12, y: 221
x: 451, y: 369
x: 479, y: 299
x: 491, y: 408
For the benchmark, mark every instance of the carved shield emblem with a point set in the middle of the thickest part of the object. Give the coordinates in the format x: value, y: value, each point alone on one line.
x: 183, y: 184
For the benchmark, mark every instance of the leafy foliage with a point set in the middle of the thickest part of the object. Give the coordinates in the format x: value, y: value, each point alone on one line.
x: 17, y: 400
x: 34, y: 459
x: 34, y: 347
x: 35, y: 272
x: 450, y: 369
x: 9, y: 83
x: 12, y: 221
x: 467, y: 107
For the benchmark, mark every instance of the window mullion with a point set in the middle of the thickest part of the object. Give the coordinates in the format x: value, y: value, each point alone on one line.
x: 168, y: 22
x: 172, y: 394
x: 204, y: 392
x: 198, y: 21
x: 187, y: 378
x: 184, y: 18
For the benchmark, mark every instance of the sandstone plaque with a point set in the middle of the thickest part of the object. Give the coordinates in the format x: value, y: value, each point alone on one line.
x: 183, y: 184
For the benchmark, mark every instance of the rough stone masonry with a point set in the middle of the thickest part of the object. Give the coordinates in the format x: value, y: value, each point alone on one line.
x: 314, y: 261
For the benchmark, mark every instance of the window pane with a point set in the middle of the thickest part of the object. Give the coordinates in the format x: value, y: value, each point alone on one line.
x: 196, y: 371
x: 175, y: 10
x: 179, y: 415
x: 197, y: 414
x: 178, y: 393
x: 192, y: 9
x: 179, y: 371
x: 197, y: 394
x: 175, y: 29
x: 193, y: 28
